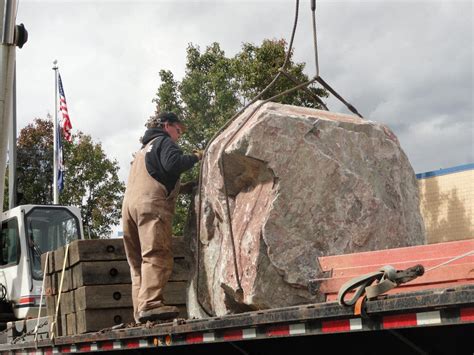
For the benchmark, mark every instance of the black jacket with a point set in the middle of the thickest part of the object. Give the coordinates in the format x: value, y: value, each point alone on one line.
x: 165, y: 161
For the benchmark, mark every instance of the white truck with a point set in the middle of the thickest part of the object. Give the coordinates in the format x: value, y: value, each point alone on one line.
x: 26, y: 231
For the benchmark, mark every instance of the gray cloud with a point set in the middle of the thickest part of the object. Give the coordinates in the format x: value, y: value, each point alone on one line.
x: 407, y: 64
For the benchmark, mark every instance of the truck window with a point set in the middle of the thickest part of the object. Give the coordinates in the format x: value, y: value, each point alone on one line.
x: 49, y: 229
x: 9, y: 243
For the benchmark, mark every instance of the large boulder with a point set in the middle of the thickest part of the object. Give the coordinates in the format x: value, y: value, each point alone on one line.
x: 301, y: 183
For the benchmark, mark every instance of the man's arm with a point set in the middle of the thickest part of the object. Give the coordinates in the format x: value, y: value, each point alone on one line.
x: 173, y: 160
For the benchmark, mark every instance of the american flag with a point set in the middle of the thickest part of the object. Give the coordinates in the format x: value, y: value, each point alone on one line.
x: 65, y: 122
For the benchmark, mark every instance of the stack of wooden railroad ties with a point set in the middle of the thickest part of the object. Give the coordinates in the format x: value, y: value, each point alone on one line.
x: 96, y: 287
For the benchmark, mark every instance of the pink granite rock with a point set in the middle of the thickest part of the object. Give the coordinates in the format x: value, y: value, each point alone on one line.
x: 302, y: 183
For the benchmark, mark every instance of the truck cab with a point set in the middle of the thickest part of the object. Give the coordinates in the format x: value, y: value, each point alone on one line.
x: 27, y: 232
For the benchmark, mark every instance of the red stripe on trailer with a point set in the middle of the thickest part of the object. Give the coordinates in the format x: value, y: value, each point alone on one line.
x: 332, y: 326
x: 66, y: 349
x: 400, y: 321
x: 132, y: 344
x: 233, y: 334
x: 278, y: 330
x: 84, y: 347
x: 194, y: 338
x: 48, y: 351
x: 467, y: 314
x: 107, y: 345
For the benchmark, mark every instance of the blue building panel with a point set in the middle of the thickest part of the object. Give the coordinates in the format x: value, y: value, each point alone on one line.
x: 440, y: 172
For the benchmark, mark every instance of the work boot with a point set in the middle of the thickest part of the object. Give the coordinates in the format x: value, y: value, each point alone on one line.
x: 158, y: 313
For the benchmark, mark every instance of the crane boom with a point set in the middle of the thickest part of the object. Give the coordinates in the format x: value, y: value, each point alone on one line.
x: 7, y: 65
x: 11, y: 36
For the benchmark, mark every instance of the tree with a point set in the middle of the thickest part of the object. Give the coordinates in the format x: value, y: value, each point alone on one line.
x: 257, y: 66
x: 35, y: 163
x: 215, y: 87
x: 91, y: 179
x: 93, y: 184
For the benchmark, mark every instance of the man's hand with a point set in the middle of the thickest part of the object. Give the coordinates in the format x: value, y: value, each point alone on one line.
x: 187, y: 187
x: 199, y: 153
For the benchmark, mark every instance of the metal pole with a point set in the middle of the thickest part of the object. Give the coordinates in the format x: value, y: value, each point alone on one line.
x: 12, y: 183
x: 55, y: 136
x: 7, y: 60
x: 8, y: 23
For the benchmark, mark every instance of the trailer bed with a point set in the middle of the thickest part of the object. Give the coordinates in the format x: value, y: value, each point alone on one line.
x: 445, y: 312
x: 432, y: 314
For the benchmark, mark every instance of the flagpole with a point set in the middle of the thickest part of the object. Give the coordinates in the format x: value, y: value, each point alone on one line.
x: 55, y: 136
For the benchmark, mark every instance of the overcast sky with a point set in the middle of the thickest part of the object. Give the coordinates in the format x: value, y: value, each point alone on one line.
x: 408, y: 64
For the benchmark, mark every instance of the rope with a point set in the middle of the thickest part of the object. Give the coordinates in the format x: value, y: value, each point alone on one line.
x: 431, y: 268
x: 387, y: 278
x: 41, y: 297
x: 53, y: 332
x: 451, y: 260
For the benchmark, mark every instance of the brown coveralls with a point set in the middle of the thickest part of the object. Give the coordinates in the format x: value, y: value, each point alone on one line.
x: 147, y: 215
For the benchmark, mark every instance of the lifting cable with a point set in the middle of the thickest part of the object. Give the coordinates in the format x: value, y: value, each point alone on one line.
x: 298, y: 86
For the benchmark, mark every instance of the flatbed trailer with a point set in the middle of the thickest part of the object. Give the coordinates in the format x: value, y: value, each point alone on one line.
x: 438, y: 321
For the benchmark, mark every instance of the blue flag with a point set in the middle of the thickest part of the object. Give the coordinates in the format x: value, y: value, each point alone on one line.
x: 60, y: 160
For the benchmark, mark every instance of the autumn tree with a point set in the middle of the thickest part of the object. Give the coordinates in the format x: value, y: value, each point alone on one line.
x: 215, y: 87
x: 91, y: 179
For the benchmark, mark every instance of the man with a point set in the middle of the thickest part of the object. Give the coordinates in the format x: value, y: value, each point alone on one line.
x: 147, y: 214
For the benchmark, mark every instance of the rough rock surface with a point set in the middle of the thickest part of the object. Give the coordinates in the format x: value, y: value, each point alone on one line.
x: 301, y: 183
